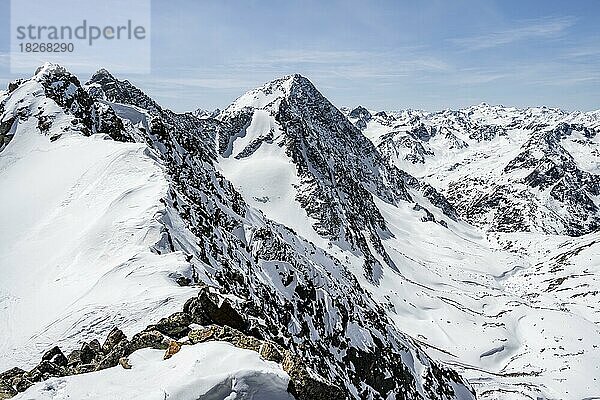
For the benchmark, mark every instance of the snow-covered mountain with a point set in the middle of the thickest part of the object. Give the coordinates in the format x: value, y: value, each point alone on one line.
x: 282, y: 248
x: 505, y: 169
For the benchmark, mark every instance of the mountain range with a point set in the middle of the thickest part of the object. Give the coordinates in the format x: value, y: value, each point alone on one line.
x: 287, y: 248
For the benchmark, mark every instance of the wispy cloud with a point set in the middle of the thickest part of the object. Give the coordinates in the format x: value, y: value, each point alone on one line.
x: 583, y: 52
x: 347, y: 64
x: 547, y: 27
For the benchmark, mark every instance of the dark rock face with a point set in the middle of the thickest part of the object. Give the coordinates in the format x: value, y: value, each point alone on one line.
x: 392, y: 142
x: 6, y: 390
x: 65, y: 90
x: 205, y: 309
x: 542, y: 189
x: 5, y: 129
x: 213, y: 210
x: 120, y: 349
x: 339, y: 168
x: 114, y: 338
x: 89, y: 352
x: 569, y: 209
x: 362, y: 116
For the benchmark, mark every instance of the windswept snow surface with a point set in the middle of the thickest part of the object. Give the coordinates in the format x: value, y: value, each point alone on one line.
x: 206, y: 371
x: 78, y: 223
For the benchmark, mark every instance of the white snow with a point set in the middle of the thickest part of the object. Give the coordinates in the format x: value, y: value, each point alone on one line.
x: 267, y: 95
x: 78, y: 223
x: 214, y: 370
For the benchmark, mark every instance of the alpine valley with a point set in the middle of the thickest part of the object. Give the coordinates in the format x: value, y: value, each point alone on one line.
x: 284, y: 248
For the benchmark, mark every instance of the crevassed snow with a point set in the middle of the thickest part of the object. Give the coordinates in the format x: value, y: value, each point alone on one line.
x: 206, y: 371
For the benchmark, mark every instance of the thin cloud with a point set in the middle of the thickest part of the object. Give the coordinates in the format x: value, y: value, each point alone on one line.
x: 348, y: 64
x: 547, y: 27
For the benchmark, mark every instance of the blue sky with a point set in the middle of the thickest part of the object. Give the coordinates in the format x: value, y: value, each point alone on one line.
x: 382, y: 54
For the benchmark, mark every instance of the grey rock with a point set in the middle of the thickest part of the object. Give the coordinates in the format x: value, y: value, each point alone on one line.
x: 114, y: 337
x: 89, y: 352
x: 7, y: 390
x: 148, y: 338
x: 112, y: 358
x: 176, y: 325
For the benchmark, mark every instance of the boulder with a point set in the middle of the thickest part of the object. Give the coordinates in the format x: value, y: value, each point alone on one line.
x: 22, y: 383
x: 11, y: 373
x: 89, y: 352
x: 176, y: 325
x: 6, y: 390
x: 114, y: 337
x: 44, y: 370
x: 124, y: 362
x: 201, y: 335
x: 74, y: 358
x: 56, y: 356
x: 112, y: 358
x: 84, y: 368
x: 174, y: 348
x: 305, y: 386
x: 204, y: 310
x: 148, y: 338
x: 271, y: 352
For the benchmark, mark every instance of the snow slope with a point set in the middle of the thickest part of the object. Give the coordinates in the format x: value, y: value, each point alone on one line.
x: 320, y: 240
x: 505, y: 169
x: 121, y: 221
x: 77, y: 234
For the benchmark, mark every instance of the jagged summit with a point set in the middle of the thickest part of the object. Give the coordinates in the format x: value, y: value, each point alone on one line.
x: 49, y: 68
x: 102, y: 72
x: 271, y: 93
x: 533, y: 184
x: 334, y: 162
x: 103, y: 85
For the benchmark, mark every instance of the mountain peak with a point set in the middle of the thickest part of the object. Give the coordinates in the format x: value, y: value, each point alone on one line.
x: 102, y: 73
x: 48, y: 68
x: 271, y: 93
